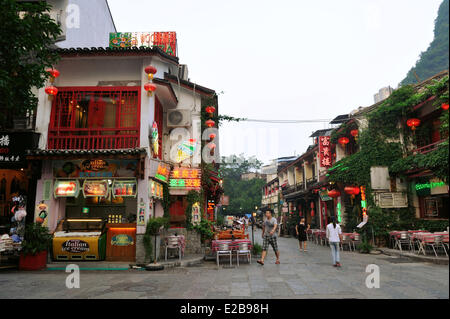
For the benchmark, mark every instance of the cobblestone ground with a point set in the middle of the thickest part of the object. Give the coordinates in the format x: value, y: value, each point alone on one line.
x: 300, y: 275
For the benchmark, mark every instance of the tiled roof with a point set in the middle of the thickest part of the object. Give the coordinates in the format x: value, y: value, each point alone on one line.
x: 126, y: 151
x: 115, y: 51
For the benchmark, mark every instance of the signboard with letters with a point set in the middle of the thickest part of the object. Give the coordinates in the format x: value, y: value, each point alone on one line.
x: 325, y: 151
x: 185, y: 178
x: 166, y: 41
x: 13, y: 147
x: 94, y: 168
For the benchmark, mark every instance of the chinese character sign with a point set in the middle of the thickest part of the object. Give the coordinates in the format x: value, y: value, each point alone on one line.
x: 187, y: 178
x: 166, y: 41
x: 325, y: 151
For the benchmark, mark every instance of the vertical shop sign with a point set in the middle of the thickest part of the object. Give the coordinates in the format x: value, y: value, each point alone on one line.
x: 325, y: 151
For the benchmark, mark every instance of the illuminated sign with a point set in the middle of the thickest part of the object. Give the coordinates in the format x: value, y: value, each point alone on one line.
x: 186, y: 178
x: 156, y: 189
x: 122, y: 240
x: 95, y: 188
x: 339, y: 211
x: 124, y: 188
x: 363, y: 201
x: 66, y: 188
x: 325, y: 151
x: 166, y: 41
x: 210, y: 209
x: 429, y: 185
x: 155, y: 139
x: 162, y: 173
x: 185, y: 150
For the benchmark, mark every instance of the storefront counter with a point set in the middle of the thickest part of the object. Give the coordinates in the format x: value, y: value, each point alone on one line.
x: 121, y: 242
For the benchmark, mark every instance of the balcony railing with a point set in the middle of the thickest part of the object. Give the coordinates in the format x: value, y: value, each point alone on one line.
x: 97, y: 138
x: 427, y: 148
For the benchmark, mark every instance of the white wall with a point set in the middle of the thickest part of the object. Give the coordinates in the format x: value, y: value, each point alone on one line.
x: 95, y: 24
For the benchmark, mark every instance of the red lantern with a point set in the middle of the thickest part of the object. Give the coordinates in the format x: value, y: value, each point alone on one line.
x: 210, y: 109
x: 150, y: 70
x: 212, y: 136
x: 413, y: 123
x: 210, y: 123
x: 212, y: 145
x: 150, y: 88
x: 51, y: 90
x: 444, y: 106
x: 334, y: 193
x: 354, y: 133
x: 343, y: 140
x: 54, y: 73
x: 351, y: 190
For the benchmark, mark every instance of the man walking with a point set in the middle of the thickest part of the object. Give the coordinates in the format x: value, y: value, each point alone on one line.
x: 269, y: 235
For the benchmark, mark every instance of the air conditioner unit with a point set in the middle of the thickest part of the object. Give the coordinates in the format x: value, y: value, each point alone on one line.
x: 178, y: 118
x: 391, y: 200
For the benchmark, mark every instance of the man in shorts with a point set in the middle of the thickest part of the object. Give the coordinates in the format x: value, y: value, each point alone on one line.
x: 269, y: 235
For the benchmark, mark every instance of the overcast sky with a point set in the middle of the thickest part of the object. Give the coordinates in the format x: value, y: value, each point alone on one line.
x: 287, y: 59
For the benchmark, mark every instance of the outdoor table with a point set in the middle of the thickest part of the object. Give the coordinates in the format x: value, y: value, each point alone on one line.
x: 233, y: 244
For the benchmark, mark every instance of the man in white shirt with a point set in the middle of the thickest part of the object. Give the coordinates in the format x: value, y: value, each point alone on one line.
x: 334, y: 234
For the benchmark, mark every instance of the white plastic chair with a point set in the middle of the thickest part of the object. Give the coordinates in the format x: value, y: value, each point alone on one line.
x: 243, y: 250
x: 173, y: 243
x: 224, y: 250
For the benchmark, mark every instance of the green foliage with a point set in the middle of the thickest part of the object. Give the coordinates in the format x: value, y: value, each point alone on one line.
x: 365, y: 247
x: 256, y: 249
x: 344, y: 130
x: 435, y: 58
x: 36, y: 239
x: 25, y: 53
x: 166, y: 200
x: 205, y: 229
x: 152, y: 229
x: 244, y: 194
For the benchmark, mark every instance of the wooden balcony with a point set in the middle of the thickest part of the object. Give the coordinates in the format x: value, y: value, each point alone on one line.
x: 97, y: 138
x: 427, y: 148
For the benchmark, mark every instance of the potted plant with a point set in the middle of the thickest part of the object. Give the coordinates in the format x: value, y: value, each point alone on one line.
x: 35, y: 245
x: 151, y: 239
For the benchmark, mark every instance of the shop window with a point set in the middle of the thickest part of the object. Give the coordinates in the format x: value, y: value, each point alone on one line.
x: 435, y: 207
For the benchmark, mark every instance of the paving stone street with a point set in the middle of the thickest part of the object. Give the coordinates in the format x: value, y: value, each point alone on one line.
x: 300, y: 275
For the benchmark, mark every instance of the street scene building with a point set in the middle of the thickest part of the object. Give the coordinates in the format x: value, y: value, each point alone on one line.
x: 121, y: 178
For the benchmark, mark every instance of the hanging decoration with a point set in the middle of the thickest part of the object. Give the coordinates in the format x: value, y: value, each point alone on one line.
x: 444, y: 106
x: 413, y: 123
x: 150, y: 88
x: 363, y: 201
x: 343, y: 140
x: 212, y: 136
x: 210, y: 110
x: 151, y: 71
x: 210, y: 123
x: 54, y: 73
x: 334, y: 193
x: 51, y: 91
x: 155, y: 139
x: 355, y: 134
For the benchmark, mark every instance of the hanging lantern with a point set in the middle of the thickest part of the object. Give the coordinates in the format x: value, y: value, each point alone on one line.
x: 212, y: 146
x: 210, y: 110
x: 354, y: 133
x: 444, y: 106
x: 51, y: 90
x: 150, y: 88
x: 413, y: 123
x: 334, y: 193
x: 343, y: 140
x: 150, y: 70
x: 212, y: 136
x: 351, y: 190
x: 54, y: 73
x: 210, y: 123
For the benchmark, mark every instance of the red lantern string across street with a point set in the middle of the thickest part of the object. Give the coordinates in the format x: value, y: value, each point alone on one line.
x: 51, y: 90
x: 413, y: 123
x: 150, y: 88
x: 343, y: 140
x: 334, y: 193
x: 444, y: 106
x: 150, y: 70
x: 210, y: 123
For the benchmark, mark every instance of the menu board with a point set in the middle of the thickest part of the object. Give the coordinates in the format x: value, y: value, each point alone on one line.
x: 69, y: 188
x: 93, y: 188
x: 124, y: 188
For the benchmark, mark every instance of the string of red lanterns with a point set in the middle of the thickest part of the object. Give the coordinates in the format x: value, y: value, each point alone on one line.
x: 52, y: 90
x: 150, y: 87
x: 210, y: 110
x: 210, y: 123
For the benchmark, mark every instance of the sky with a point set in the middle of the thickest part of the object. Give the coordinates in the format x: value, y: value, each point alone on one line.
x: 287, y: 59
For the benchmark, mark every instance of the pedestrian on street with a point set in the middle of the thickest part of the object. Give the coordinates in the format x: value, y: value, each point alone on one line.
x: 301, y: 230
x: 334, y: 234
x: 269, y: 235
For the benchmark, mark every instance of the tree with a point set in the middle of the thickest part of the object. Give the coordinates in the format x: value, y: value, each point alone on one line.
x: 26, y: 36
x: 244, y: 194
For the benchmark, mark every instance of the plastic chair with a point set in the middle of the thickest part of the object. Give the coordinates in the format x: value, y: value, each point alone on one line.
x: 356, y: 240
x: 173, y: 243
x: 402, y: 239
x: 243, y: 250
x: 437, y: 243
x: 346, y: 240
x: 223, y: 249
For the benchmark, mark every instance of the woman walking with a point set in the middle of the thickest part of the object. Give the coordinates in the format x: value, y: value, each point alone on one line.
x: 334, y: 234
x: 301, y: 230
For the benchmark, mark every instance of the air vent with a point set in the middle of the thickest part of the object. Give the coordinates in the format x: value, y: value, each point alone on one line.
x: 392, y: 200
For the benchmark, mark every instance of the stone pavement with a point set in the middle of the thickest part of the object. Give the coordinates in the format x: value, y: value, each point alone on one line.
x: 300, y: 275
